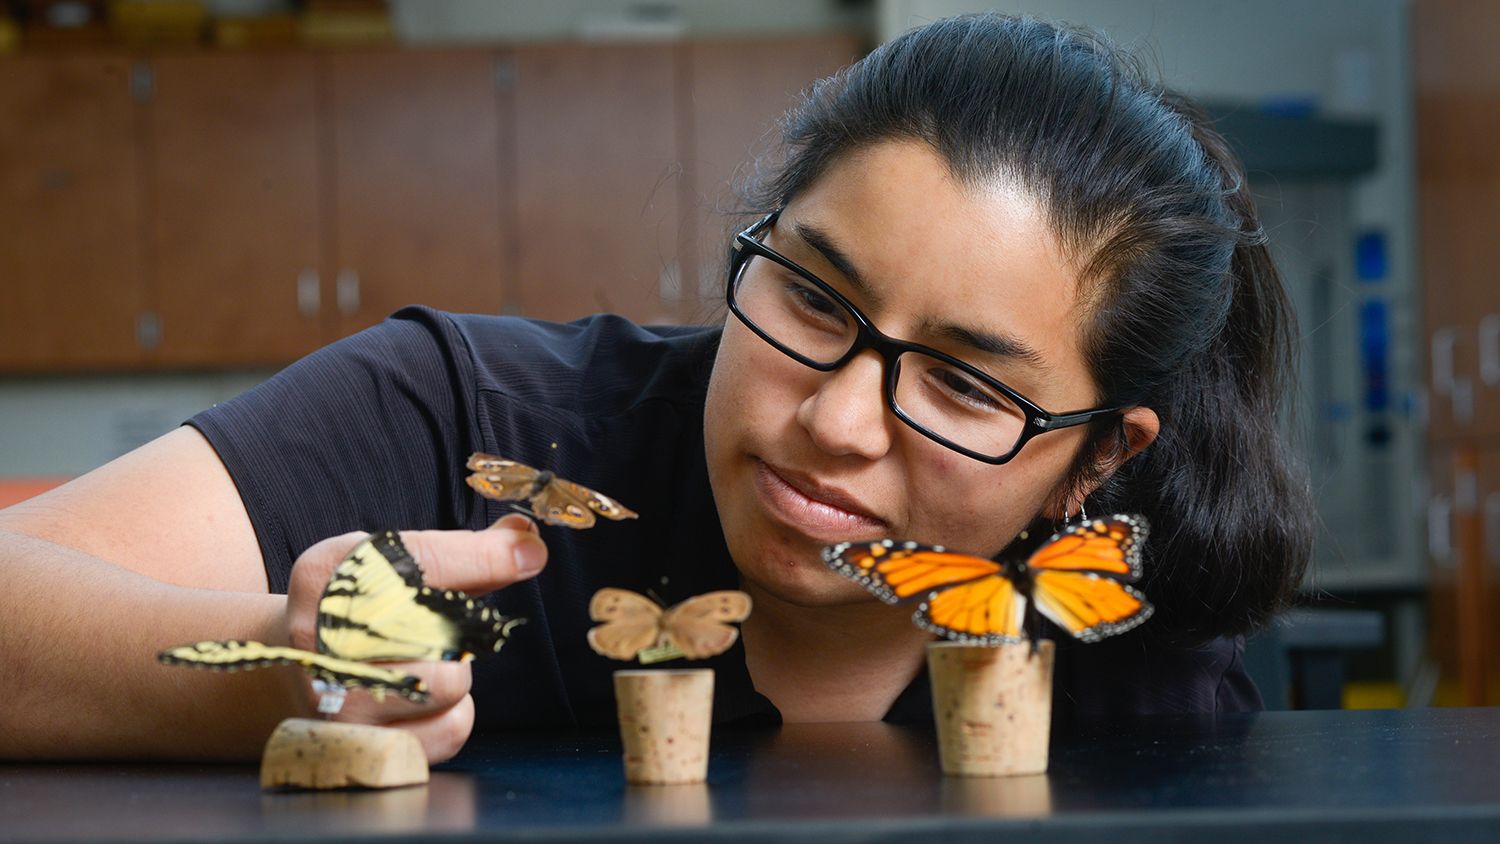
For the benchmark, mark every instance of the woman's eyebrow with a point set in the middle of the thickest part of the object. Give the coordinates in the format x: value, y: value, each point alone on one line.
x: 819, y: 240
x: 988, y: 342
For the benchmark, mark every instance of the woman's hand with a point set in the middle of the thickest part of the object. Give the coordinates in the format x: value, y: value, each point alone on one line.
x: 473, y: 561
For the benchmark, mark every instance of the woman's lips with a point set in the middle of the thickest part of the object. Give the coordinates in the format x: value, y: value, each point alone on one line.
x: 810, y: 510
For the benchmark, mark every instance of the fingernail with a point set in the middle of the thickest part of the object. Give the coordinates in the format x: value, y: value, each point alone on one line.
x: 530, y: 556
x: 516, y: 521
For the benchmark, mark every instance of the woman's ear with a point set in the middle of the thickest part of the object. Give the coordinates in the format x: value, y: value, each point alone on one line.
x: 1139, y: 427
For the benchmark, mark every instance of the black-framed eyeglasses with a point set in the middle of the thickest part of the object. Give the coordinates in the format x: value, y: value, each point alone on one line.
x: 943, y: 398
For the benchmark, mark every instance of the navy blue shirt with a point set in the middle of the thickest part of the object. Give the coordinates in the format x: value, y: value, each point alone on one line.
x: 373, y: 431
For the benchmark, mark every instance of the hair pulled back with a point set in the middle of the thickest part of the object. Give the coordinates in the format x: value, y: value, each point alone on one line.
x: 1184, y: 311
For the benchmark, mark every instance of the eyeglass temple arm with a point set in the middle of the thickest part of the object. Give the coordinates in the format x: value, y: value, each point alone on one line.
x: 1068, y: 420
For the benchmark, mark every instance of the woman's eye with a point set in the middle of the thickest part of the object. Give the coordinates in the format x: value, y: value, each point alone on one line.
x: 965, y: 388
x: 813, y: 301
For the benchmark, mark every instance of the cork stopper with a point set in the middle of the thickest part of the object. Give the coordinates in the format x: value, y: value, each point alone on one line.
x: 993, y: 706
x: 665, y: 719
x: 304, y: 753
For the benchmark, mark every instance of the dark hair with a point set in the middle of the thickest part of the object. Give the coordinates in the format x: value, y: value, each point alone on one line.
x: 1186, y: 312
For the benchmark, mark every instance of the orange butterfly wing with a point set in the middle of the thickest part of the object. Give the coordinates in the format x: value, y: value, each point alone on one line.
x: 900, y: 571
x: 965, y: 598
x: 1110, y: 546
x: 1080, y: 577
x: 987, y: 611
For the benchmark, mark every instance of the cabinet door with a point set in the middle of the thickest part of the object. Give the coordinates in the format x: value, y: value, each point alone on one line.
x: 70, y: 258
x: 736, y: 91
x: 1444, y: 549
x: 597, y: 181
x: 1465, y: 550
x: 416, y: 152
x: 1456, y: 71
x: 235, y: 237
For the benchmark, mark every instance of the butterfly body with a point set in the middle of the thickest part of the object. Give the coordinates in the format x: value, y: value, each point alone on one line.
x: 698, y: 627
x: 1079, y: 579
x: 552, y: 499
x: 375, y: 608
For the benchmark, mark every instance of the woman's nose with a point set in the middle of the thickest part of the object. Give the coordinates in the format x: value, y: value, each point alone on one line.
x: 846, y: 413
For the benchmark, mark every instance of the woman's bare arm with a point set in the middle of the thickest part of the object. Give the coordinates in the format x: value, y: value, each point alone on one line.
x: 155, y: 549
x: 151, y: 550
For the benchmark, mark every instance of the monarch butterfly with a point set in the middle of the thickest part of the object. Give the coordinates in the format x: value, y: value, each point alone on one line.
x: 1079, y: 578
x: 553, y: 500
x: 635, y: 626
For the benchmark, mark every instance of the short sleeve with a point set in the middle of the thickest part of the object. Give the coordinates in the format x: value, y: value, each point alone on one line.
x: 368, y: 433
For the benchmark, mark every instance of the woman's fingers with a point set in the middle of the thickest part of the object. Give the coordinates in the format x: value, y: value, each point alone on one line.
x: 443, y: 733
x: 514, y: 521
x: 446, y: 684
x: 477, y: 561
x: 473, y: 561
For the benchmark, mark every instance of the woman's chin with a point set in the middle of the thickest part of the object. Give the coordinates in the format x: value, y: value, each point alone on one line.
x: 803, y: 583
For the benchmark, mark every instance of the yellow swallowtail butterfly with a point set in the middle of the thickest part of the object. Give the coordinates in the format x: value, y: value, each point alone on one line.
x: 375, y: 608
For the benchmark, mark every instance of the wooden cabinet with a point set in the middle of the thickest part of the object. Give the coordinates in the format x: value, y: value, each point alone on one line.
x: 1464, y: 582
x: 736, y: 91
x: 299, y: 198
x: 597, y: 181
x: 202, y: 209
x: 237, y: 224
x: 71, y: 260
x: 419, y: 210
x: 1456, y: 73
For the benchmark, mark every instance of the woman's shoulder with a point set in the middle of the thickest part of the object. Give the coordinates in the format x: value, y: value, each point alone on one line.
x: 605, y: 361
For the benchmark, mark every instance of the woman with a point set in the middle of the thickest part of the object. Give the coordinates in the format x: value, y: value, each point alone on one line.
x: 1006, y: 194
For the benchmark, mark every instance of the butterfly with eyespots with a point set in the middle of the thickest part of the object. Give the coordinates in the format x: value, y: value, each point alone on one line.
x: 552, y: 499
x: 1080, y: 579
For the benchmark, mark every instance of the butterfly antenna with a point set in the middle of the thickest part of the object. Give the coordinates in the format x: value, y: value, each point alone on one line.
x: 651, y: 593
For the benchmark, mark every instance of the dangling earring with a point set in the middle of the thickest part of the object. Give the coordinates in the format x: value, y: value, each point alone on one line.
x: 1083, y: 514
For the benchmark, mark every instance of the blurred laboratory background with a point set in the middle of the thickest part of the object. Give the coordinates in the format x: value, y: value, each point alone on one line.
x: 193, y: 193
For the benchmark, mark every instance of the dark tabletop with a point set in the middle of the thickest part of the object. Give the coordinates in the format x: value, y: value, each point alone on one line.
x: 1276, y: 777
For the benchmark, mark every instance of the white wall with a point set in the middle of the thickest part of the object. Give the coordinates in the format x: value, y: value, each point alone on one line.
x: 66, y: 426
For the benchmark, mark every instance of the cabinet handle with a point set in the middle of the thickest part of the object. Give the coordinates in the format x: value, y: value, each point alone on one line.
x: 1489, y: 350
x: 309, y: 293
x: 347, y: 287
x: 1440, y: 530
x: 148, y: 329
x: 1492, y: 527
x: 1443, y: 341
x: 1462, y: 390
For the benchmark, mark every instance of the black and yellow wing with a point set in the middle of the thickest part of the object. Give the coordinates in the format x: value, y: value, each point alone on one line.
x: 240, y: 656
x: 376, y: 607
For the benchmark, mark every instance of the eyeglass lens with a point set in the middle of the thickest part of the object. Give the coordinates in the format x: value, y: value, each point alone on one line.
x: 944, y: 399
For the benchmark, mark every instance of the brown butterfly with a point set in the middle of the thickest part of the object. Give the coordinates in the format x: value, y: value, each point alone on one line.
x: 553, y: 500
x: 696, y: 628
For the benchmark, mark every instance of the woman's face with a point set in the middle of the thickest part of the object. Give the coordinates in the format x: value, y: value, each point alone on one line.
x: 799, y: 458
